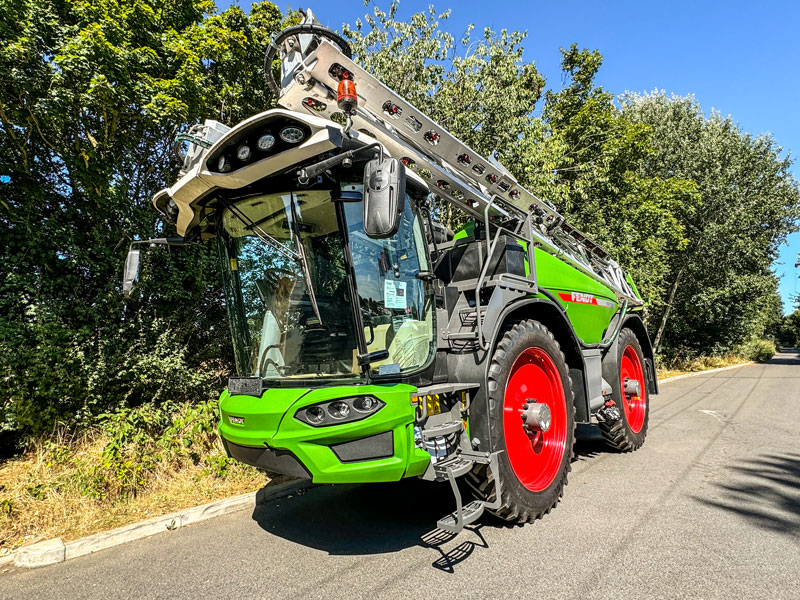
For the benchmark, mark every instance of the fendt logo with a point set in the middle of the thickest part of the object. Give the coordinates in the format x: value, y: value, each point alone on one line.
x: 583, y: 298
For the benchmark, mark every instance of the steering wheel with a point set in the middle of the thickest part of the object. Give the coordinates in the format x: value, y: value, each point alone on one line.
x: 306, y: 28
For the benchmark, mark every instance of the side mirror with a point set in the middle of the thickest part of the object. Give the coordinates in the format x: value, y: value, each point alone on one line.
x: 384, y: 196
x: 131, y: 273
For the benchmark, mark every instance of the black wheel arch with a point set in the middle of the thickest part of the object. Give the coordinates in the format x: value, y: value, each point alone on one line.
x: 634, y: 323
x: 553, y: 317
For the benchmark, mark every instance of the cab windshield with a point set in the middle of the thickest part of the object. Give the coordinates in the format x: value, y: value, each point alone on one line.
x: 289, y: 296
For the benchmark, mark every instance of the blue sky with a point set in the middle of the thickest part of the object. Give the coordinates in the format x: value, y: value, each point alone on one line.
x: 740, y: 58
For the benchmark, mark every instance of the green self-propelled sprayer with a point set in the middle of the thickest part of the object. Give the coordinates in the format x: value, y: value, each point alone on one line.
x: 371, y: 343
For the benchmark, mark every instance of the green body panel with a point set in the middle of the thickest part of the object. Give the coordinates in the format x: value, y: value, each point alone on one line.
x: 589, y: 317
x: 269, y: 421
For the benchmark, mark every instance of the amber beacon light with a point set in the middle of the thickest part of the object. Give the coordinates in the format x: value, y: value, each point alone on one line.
x: 346, y: 97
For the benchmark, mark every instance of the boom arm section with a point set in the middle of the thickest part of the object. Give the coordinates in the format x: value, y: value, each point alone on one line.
x: 479, y: 186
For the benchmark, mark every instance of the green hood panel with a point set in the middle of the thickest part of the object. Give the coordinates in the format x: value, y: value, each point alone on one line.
x: 262, y: 416
x: 270, y: 421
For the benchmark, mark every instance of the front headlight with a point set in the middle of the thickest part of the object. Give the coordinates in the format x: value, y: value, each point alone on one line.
x: 338, y: 411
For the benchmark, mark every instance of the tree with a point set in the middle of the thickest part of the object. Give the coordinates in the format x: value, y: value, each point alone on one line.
x: 585, y: 159
x: 747, y: 201
x: 93, y: 94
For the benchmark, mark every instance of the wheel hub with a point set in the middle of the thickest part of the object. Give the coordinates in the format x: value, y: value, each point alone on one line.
x: 632, y: 387
x: 535, y: 417
x: 632, y: 382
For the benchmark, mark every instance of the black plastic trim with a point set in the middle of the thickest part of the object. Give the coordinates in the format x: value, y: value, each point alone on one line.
x: 373, y: 447
x: 277, y: 461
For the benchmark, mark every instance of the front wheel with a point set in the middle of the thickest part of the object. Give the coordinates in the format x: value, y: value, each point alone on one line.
x: 532, y: 418
x: 629, y: 393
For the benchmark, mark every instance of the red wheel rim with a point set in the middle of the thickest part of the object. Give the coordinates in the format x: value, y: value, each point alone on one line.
x: 634, y: 405
x: 535, y: 457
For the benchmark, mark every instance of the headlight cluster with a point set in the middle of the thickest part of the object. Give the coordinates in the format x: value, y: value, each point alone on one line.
x: 256, y: 143
x: 341, y: 410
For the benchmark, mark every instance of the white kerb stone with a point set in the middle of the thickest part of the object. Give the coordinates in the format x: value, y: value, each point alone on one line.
x: 40, y: 554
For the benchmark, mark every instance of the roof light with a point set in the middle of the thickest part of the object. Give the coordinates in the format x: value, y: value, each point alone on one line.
x: 243, y: 153
x: 292, y: 134
x: 266, y: 142
x: 223, y: 164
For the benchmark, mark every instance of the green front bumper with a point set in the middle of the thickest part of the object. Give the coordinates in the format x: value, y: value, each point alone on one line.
x: 273, y: 438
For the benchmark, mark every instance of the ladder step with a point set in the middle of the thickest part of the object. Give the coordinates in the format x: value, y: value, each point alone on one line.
x: 467, y: 335
x: 442, y: 429
x: 456, y: 466
x: 470, y: 513
x: 470, y: 310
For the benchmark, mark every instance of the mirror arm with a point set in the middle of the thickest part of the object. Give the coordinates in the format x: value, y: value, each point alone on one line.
x: 304, y: 175
x: 169, y: 241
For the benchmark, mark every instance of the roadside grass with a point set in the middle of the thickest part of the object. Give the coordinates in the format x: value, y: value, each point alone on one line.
x: 683, y: 367
x: 755, y: 350
x: 138, y: 464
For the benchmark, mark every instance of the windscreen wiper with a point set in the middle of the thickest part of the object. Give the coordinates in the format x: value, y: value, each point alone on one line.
x: 260, y: 233
x: 298, y: 257
x: 301, y: 257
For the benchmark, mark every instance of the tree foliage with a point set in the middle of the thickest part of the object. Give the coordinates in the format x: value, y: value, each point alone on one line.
x: 93, y: 93
x: 722, y: 286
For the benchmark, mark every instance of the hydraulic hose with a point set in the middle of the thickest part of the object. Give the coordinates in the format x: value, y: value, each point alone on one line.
x: 306, y: 28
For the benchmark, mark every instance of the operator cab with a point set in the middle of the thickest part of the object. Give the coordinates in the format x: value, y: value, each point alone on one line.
x: 294, y: 258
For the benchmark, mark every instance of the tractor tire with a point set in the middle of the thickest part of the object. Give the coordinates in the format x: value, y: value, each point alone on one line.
x: 627, y: 432
x: 528, y: 369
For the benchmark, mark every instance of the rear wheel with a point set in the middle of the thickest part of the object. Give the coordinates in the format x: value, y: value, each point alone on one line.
x: 532, y: 419
x: 629, y: 392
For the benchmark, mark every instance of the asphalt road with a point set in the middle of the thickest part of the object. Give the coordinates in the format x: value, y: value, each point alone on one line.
x: 708, y: 508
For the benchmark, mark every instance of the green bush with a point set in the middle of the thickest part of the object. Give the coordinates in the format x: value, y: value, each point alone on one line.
x: 758, y: 350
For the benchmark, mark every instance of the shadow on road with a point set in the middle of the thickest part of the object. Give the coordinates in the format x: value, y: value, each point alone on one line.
x: 371, y: 519
x: 786, y: 356
x: 764, y: 490
x: 589, y: 443
x: 386, y: 517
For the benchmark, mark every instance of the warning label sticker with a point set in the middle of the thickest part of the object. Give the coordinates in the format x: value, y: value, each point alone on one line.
x: 394, y: 294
